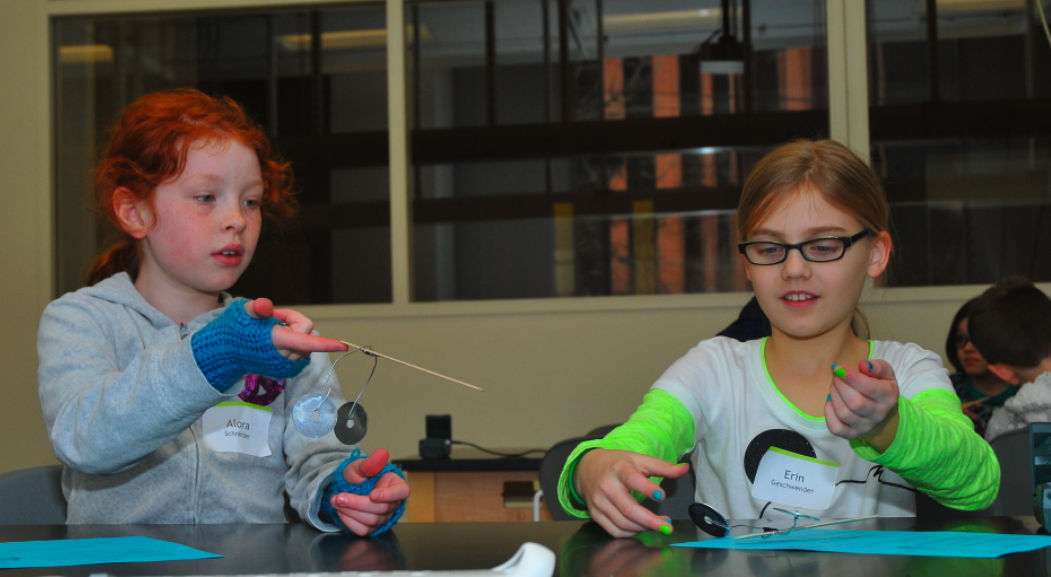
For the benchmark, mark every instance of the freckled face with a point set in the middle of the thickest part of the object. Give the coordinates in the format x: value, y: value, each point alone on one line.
x: 206, y: 222
x: 807, y: 299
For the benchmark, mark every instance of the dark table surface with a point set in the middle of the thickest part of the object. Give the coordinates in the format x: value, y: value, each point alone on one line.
x: 582, y: 549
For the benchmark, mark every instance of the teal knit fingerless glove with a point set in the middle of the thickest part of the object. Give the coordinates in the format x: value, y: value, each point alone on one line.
x: 338, y: 485
x: 235, y: 344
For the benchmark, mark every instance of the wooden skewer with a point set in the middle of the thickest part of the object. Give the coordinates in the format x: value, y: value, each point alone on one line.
x: 825, y: 524
x: 974, y: 402
x: 410, y: 365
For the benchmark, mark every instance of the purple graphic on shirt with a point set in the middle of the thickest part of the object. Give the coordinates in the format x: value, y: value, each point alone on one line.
x: 260, y: 390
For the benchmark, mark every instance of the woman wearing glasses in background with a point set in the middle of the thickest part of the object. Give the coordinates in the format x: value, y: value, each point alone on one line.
x: 980, y: 391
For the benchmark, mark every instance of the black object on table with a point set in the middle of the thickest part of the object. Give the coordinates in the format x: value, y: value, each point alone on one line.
x: 583, y: 549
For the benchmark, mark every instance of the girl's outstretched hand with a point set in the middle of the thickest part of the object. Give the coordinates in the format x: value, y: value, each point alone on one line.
x: 604, y: 479
x: 294, y: 340
x: 864, y: 403
x: 363, y: 514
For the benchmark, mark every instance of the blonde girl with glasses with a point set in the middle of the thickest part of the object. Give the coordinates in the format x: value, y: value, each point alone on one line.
x: 815, y: 419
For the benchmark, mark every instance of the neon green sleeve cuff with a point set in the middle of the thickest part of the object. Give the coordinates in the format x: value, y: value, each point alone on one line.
x: 661, y: 427
x: 937, y: 451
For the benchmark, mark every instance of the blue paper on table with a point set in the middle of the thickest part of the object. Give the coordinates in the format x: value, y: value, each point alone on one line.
x: 927, y: 544
x: 66, y: 552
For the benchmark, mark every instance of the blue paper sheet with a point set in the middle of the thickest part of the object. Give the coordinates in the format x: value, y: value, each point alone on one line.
x: 928, y: 544
x: 66, y: 552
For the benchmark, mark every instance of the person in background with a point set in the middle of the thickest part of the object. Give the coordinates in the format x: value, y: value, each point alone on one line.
x: 1010, y: 323
x: 749, y: 325
x: 979, y: 389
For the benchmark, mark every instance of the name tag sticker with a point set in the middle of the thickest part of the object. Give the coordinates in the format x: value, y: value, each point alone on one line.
x: 238, y: 428
x: 787, y: 478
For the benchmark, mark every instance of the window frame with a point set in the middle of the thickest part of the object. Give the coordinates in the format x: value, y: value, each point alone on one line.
x: 848, y: 123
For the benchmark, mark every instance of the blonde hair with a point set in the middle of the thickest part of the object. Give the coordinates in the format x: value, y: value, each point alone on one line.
x: 827, y: 168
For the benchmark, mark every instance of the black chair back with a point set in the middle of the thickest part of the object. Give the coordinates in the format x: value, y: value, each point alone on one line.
x: 32, y: 497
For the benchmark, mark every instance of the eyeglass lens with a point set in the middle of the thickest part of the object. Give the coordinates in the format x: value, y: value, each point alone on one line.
x: 817, y: 250
x: 962, y: 340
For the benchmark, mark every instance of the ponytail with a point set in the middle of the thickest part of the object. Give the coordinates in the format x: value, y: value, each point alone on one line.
x: 121, y: 257
x: 859, y: 325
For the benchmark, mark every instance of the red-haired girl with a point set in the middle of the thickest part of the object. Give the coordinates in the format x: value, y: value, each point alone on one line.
x: 167, y: 400
x: 770, y: 424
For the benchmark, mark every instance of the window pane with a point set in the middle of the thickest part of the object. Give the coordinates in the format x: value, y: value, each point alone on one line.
x: 984, y: 51
x: 489, y: 230
x: 315, y: 80
x: 965, y: 165
x: 548, y: 163
x: 968, y: 212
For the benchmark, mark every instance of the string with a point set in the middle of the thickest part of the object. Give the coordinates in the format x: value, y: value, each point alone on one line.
x: 328, y: 377
x: 375, y: 361
x: 332, y: 369
x: 729, y: 528
x: 766, y: 534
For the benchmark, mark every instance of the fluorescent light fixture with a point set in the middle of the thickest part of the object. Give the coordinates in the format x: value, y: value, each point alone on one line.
x: 644, y: 21
x: 722, y: 56
x: 345, y: 39
x: 963, y: 6
x: 85, y: 54
x: 722, y: 67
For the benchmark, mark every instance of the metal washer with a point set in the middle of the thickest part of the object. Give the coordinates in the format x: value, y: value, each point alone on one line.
x: 314, y: 415
x: 352, y: 423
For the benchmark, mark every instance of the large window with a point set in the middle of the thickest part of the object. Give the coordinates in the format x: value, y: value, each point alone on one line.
x: 579, y: 147
x: 958, y: 103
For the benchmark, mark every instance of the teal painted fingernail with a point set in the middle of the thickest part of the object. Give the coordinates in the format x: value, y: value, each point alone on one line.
x: 828, y: 399
x: 872, y: 369
x: 666, y: 529
x: 658, y: 495
x: 839, y: 371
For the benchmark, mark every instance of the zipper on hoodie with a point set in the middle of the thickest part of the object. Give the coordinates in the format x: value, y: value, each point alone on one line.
x: 195, y: 491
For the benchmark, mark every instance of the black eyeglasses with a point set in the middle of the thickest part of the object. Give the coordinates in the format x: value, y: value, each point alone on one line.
x: 825, y: 249
x: 962, y: 340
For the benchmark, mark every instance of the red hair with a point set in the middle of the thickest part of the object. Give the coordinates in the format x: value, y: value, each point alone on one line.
x: 148, y: 147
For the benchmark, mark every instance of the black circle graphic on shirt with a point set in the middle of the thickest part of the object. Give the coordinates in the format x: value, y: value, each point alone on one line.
x: 780, y: 438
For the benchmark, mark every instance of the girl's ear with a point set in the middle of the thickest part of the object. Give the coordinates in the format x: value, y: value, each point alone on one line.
x: 132, y: 213
x: 879, y: 254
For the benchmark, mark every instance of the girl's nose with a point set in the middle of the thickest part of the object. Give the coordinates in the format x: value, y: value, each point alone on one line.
x: 234, y: 219
x: 795, y: 266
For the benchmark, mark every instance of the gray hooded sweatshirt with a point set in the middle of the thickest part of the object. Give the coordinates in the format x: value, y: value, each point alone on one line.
x: 122, y: 398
